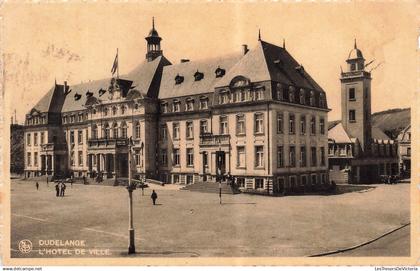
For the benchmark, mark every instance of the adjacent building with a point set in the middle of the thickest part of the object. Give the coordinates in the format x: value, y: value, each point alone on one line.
x: 257, y: 115
x: 358, y: 153
x: 404, y: 152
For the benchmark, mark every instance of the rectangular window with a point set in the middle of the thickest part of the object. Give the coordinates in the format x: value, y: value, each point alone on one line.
x: 28, y: 157
x: 189, y: 105
x: 280, y: 156
x: 137, y: 130
x: 175, y: 130
x: 80, y: 158
x: 35, y: 159
x: 292, y: 180
x: 352, y: 94
x: 302, y: 125
x: 35, y: 139
x: 240, y: 182
x: 313, y: 177
x: 189, y: 130
x: 259, y: 183
x: 164, y: 107
x: 303, y: 156
x: 164, y: 157
x: 258, y: 123
x: 313, y: 157
x: 71, y: 137
x: 72, y: 162
x: 322, y: 156
x: 205, y: 159
x: 175, y: 178
x: 259, y: 156
x: 176, y: 158
x: 203, y: 126
x: 313, y: 125
x: 189, y: 179
x: 190, y: 157
x: 80, y: 137
x: 163, y: 132
x: 280, y: 123
x: 240, y: 124
x: 223, y: 125
x: 303, y: 180
x: 42, y: 138
x: 240, y: 159
x: 292, y: 156
x: 176, y: 106
x: 137, y: 157
x: 28, y: 139
x: 322, y: 126
x: 292, y: 128
x: 204, y: 103
x: 352, y: 115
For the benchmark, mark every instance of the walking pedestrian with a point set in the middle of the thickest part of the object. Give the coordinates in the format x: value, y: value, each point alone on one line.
x: 37, y: 185
x: 57, y: 190
x: 154, y: 197
x: 63, y: 189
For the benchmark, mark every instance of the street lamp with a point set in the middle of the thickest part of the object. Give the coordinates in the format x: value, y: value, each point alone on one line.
x: 130, y: 188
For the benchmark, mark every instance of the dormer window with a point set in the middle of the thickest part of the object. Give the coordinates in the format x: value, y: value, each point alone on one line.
x: 72, y: 118
x: 101, y: 92
x: 77, y: 96
x: 220, y: 72
x: 302, y: 96
x: 204, y: 101
x: 321, y: 100
x: 176, y: 106
x: 279, y: 92
x: 164, y: 107
x: 291, y: 94
x: 189, y: 105
x: 352, y: 66
x: 179, y: 79
x: 224, y: 97
x: 198, y: 76
x: 312, y: 99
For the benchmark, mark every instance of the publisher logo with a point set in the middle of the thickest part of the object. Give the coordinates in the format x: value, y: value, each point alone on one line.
x: 25, y: 246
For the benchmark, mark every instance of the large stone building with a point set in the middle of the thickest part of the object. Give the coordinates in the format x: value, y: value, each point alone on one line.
x: 358, y: 153
x: 257, y: 115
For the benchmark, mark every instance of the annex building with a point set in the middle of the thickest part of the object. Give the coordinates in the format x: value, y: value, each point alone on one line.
x: 257, y: 115
x: 358, y: 152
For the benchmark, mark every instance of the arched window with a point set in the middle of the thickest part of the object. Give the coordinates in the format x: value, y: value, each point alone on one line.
x: 106, y: 111
x: 124, y: 130
x: 137, y: 130
x: 123, y: 109
x: 115, y: 130
x: 114, y: 110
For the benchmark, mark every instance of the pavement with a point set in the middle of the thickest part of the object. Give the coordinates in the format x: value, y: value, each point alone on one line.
x: 193, y: 224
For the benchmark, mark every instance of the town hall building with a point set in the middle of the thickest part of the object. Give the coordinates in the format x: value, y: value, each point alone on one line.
x: 257, y: 116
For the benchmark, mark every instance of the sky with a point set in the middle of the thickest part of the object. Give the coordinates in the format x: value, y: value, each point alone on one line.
x: 77, y: 42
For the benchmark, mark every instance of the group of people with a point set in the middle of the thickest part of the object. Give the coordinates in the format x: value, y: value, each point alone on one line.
x: 60, y: 189
x: 389, y: 179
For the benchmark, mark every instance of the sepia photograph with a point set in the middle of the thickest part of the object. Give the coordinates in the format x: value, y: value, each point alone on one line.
x: 232, y: 131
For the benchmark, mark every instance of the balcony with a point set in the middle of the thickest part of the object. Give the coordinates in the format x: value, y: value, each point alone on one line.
x: 107, y: 142
x: 208, y: 139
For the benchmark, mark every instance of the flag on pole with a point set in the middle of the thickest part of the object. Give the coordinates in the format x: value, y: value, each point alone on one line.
x: 115, y: 65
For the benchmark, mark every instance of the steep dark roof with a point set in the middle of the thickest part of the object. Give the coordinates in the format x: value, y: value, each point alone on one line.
x: 142, y: 77
x: 44, y: 104
x: 189, y: 85
x: 270, y: 62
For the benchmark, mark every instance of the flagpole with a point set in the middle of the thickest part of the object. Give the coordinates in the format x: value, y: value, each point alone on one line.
x: 118, y: 67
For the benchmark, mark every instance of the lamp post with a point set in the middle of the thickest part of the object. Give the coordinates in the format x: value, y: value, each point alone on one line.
x: 130, y: 188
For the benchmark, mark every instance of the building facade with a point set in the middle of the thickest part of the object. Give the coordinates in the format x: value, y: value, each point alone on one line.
x: 257, y: 115
x: 358, y: 153
x: 404, y: 152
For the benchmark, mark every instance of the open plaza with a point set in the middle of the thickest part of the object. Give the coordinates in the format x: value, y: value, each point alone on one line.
x: 194, y: 224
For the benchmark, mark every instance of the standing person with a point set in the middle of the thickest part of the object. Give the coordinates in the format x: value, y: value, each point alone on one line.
x: 57, y: 190
x: 47, y: 180
x: 63, y: 189
x: 154, y: 197
x: 37, y: 185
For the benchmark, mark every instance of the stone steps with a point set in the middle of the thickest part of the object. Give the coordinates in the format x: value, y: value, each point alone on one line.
x: 211, y: 187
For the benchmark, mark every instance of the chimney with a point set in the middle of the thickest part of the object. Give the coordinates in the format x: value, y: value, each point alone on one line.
x: 65, y: 87
x: 245, y: 48
x: 183, y: 60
